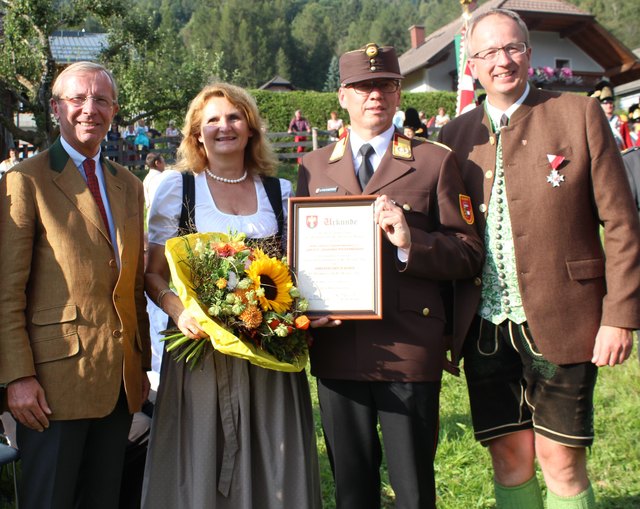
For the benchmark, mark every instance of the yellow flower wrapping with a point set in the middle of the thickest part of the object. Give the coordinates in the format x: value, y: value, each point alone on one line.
x: 176, y: 251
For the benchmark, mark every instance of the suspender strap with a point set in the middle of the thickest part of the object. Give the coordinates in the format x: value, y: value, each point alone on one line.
x: 274, y: 193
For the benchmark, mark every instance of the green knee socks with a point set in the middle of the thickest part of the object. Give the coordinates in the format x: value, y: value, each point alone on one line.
x: 524, y: 496
x: 584, y: 500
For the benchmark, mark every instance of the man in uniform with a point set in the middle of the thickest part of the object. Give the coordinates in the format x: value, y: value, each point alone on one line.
x: 73, y: 325
x: 389, y: 370
x: 551, y: 305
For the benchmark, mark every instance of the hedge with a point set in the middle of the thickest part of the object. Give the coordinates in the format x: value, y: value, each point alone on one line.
x: 277, y: 108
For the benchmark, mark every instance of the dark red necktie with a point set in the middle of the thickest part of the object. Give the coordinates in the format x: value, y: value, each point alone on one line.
x: 89, y: 166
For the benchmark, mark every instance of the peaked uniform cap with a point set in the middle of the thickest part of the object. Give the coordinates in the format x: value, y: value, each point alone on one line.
x: 369, y: 63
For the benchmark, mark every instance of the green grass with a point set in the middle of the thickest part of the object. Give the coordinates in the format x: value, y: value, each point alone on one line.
x: 463, y: 468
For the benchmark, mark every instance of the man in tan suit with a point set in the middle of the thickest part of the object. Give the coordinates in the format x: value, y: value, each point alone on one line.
x: 551, y: 305
x: 73, y: 328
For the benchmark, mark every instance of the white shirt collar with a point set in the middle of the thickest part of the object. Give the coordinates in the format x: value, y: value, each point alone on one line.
x: 495, y: 114
x: 76, y: 156
x: 380, y: 143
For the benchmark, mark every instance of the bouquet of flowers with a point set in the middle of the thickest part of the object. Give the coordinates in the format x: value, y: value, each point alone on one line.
x: 242, y: 294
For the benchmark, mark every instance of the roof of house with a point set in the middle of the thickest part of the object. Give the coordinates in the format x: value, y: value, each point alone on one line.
x: 277, y: 82
x: 619, y: 62
x: 68, y: 46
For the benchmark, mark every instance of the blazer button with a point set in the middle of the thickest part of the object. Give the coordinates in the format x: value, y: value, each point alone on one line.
x: 117, y: 333
x: 477, y: 281
x: 406, y: 207
x: 489, y: 174
x: 426, y: 311
x: 482, y: 208
x: 113, y: 264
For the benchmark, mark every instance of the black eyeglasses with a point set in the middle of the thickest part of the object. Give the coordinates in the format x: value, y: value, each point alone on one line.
x: 491, y: 54
x: 385, y: 86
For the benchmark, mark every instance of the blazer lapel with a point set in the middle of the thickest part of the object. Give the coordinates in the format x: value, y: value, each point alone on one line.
x: 389, y: 170
x: 343, y: 173
x: 117, y: 192
x: 74, y: 187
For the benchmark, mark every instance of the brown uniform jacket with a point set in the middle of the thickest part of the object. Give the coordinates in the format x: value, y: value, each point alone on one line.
x: 567, y: 288
x: 67, y: 314
x: 407, y: 344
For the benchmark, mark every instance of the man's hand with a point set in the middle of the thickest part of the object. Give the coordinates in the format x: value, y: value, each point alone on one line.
x: 613, y: 346
x: 391, y: 219
x: 28, y: 404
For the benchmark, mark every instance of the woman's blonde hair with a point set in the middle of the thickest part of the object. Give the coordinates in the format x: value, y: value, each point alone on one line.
x: 259, y: 157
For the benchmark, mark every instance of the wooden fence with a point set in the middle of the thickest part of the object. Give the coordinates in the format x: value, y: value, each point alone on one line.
x: 132, y: 156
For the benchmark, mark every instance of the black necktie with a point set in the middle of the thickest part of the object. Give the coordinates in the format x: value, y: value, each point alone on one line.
x: 365, y: 170
x: 504, y: 121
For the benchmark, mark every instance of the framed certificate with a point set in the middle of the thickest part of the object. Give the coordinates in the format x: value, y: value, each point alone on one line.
x: 334, y: 249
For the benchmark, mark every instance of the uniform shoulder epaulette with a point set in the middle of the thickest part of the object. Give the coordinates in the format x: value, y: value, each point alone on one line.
x: 439, y: 144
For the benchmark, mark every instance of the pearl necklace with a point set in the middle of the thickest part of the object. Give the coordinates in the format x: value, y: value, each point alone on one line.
x: 226, y: 180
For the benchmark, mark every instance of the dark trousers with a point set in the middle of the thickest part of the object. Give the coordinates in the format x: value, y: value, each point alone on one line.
x: 74, y: 464
x: 408, y: 416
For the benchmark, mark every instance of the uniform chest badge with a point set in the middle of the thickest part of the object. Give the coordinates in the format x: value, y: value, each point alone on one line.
x: 466, y: 209
x: 555, y: 178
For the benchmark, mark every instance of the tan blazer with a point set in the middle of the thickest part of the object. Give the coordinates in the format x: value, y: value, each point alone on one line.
x: 569, y: 284
x: 68, y: 315
x: 408, y: 344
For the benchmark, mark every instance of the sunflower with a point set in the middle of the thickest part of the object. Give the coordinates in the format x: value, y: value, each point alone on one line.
x: 272, y: 277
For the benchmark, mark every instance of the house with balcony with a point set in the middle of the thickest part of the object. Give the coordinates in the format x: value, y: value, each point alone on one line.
x: 571, y: 50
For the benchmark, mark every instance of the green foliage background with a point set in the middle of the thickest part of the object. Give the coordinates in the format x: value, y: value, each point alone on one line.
x: 277, y: 108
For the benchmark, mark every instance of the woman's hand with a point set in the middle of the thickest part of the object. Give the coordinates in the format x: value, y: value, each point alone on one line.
x: 189, y: 326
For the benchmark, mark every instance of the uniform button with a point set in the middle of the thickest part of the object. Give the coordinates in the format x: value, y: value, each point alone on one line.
x: 482, y: 208
x: 499, y: 199
x: 112, y: 263
x: 503, y: 284
x: 498, y: 227
x: 505, y: 302
x: 500, y: 210
x: 499, y: 191
x: 489, y: 174
x: 502, y: 275
x: 507, y: 309
x: 500, y: 174
x: 501, y: 266
x: 406, y: 207
x: 499, y: 236
x: 499, y: 256
x: 477, y: 281
x: 116, y: 333
x: 426, y: 311
x: 499, y: 245
x: 506, y: 294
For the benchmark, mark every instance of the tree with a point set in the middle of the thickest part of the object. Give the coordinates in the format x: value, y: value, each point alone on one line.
x: 332, y: 83
x: 27, y: 68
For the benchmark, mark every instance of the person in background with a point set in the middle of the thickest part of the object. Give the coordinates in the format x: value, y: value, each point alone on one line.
x: 334, y: 126
x: 72, y: 307
x: 227, y: 434
x: 388, y: 371
x: 442, y: 118
x: 156, y: 164
x: 619, y: 127
x: 551, y: 304
x: 412, y: 122
x: 10, y: 161
x: 301, y: 128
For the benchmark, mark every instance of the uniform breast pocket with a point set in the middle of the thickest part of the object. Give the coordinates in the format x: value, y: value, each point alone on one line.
x: 54, y: 333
